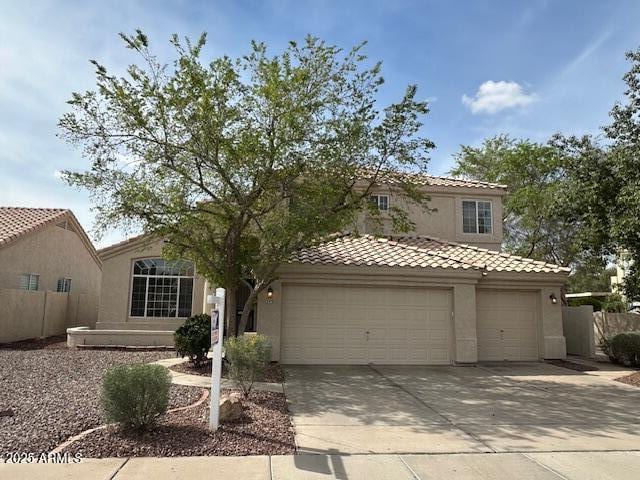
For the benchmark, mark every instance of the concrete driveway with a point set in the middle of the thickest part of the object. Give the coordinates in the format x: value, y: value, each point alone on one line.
x: 528, y: 407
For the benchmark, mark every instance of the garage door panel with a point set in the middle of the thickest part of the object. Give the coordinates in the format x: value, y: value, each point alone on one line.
x: 405, y: 325
x: 507, y: 325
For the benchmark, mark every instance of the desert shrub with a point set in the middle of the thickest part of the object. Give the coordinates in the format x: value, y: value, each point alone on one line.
x: 193, y: 338
x: 625, y: 348
x: 248, y: 357
x: 135, y: 396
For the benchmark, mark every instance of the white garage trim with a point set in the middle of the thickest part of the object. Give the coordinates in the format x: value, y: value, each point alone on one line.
x: 508, y: 325
x: 347, y: 324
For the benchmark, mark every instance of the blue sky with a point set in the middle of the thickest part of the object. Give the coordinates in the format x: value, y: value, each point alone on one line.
x: 527, y: 68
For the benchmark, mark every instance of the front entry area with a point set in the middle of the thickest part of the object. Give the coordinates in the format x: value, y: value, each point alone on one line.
x: 358, y: 325
x: 507, y: 325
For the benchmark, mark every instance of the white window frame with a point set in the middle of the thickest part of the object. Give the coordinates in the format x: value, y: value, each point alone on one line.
x: 476, y: 201
x: 376, y: 199
x: 30, y: 281
x: 146, y: 289
x: 65, y: 282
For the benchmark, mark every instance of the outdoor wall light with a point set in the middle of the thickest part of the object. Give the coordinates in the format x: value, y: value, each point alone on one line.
x: 553, y: 298
x: 269, y: 295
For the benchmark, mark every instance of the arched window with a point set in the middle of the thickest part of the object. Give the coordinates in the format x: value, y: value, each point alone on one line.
x: 162, y: 288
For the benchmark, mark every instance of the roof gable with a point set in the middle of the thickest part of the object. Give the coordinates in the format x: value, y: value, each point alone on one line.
x: 18, y: 222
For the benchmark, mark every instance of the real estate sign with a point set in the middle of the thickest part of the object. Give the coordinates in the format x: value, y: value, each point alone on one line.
x: 217, y: 334
x: 215, y: 327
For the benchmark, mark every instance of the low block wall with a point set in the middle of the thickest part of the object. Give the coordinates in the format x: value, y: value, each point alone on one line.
x: 610, y: 323
x: 119, y: 338
x: 33, y: 314
x: 577, y: 324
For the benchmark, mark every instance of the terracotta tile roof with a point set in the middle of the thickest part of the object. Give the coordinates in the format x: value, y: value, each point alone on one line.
x: 18, y: 221
x: 424, y: 252
x: 122, y: 243
x: 395, y: 178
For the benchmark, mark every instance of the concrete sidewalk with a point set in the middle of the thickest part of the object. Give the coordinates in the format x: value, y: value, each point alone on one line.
x: 542, y: 466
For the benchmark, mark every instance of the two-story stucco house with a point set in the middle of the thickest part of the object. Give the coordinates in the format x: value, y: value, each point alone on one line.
x: 444, y: 294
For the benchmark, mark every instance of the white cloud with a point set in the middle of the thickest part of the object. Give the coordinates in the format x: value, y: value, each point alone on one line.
x: 493, y: 97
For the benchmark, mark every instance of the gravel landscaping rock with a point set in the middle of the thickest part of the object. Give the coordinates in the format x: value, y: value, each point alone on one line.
x: 264, y: 429
x: 53, y: 392
x: 633, y: 379
x: 273, y: 374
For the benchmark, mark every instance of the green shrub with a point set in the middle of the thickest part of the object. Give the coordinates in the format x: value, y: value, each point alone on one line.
x: 625, y: 348
x: 135, y: 395
x: 248, y: 357
x: 193, y: 338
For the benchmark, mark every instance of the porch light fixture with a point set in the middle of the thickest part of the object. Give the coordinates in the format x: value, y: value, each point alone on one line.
x: 269, y: 295
x: 553, y: 298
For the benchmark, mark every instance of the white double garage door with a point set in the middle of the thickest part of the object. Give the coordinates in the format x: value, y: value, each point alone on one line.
x: 327, y: 324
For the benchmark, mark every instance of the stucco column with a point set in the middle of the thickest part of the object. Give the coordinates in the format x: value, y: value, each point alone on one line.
x: 554, y: 344
x: 269, y: 316
x: 464, y: 324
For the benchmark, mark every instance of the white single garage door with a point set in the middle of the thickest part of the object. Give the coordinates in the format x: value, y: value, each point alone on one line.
x: 507, y: 325
x: 358, y: 325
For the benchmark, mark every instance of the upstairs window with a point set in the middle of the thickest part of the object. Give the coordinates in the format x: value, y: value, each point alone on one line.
x: 162, y: 288
x: 476, y: 217
x: 29, y: 281
x: 381, y: 202
x: 64, y: 285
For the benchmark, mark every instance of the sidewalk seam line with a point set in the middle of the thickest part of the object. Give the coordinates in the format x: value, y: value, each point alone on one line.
x: 415, y: 475
x: 119, y: 468
x: 270, y: 468
x: 546, y: 467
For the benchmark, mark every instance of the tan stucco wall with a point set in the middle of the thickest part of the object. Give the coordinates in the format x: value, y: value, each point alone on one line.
x: 116, y: 290
x: 464, y: 323
x: 21, y: 314
x: 29, y: 314
x: 464, y: 285
x: 52, y: 253
x: 444, y: 223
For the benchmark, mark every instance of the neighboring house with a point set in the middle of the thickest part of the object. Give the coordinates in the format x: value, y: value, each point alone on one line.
x: 433, y: 297
x: 50, y: 276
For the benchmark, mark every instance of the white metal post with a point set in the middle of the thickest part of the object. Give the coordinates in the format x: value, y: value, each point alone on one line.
x: 216, y: 360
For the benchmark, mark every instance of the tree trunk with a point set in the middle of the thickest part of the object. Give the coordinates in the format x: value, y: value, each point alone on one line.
x: 230, y: 311
x: 248, y: 306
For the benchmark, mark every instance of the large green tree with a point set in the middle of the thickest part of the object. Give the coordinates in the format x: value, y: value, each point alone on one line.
x: 535, y: 225
x: 605, y: 193
x: 238, y: 162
